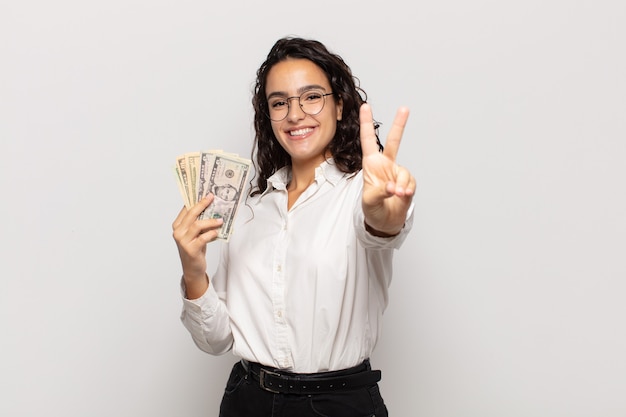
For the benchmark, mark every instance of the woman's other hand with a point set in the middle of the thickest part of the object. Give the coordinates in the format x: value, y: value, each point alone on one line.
x: 192, y: 236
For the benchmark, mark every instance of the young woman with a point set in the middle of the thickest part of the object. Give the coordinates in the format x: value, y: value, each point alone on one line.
x: 301, y: 286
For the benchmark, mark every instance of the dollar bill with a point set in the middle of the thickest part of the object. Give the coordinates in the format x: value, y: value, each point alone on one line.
x: 181, y: 168
x: 207, y: 159
x: 181, y: 187
x: 192, y: 162
x: 214, y: 172
x: 226, y: 180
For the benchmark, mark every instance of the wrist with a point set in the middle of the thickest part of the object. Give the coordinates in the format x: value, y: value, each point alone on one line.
x: 380, y: 233
x: 195, y: 286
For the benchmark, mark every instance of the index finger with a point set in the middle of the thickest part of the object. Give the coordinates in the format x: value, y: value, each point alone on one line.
x: 369, y: 144
x: 194, y: 211
x: 392, y: 144
x: 179, y: 218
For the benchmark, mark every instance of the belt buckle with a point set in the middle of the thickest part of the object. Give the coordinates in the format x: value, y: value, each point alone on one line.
x: 262, y: 374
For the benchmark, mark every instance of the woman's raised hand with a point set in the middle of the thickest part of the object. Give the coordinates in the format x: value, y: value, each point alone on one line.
x: 388, y: 188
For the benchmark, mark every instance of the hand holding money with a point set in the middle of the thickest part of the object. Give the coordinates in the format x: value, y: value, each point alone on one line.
x: 213, y: 172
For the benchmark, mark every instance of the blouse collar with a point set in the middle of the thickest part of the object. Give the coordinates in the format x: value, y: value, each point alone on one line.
x: 327, y: 171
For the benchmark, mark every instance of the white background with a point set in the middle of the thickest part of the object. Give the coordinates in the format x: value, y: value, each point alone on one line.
x: 508, y: 297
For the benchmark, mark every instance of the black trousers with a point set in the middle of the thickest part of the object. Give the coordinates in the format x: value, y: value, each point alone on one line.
x: 244, y: 397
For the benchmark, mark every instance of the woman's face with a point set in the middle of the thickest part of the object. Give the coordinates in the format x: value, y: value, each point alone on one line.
x: 305, y: 137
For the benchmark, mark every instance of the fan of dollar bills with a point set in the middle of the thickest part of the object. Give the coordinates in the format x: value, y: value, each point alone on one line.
x: 222, y: 174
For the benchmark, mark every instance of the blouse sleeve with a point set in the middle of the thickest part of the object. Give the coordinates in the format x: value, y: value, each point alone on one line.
x: 207, y: 318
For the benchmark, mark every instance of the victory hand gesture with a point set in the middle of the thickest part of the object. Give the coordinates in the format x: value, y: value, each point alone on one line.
x: 388, y: 188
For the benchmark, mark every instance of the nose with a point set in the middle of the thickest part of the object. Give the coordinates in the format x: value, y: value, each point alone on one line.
x: 294, y: 111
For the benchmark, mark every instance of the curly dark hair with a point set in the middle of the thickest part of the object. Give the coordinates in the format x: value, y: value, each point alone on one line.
x: 267, y: 153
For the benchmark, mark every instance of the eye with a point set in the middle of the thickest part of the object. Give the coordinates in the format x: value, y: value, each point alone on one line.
x: 312, y: 96
x: 278, y: 103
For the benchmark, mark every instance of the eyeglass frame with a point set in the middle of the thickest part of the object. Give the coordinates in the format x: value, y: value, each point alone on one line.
x: 288, y: 100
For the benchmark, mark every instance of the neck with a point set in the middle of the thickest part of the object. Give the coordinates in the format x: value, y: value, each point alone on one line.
x: 302, y: 175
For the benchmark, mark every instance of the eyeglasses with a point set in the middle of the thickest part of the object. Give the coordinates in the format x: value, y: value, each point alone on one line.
x: 311, y: 102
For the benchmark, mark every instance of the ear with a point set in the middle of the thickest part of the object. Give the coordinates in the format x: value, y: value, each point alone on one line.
x: 339, y: 107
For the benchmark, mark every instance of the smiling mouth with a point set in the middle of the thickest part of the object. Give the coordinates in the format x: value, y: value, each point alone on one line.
x: 300, y: 132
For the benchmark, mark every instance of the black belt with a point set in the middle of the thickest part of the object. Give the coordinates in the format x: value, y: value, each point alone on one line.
x: 281, y: 382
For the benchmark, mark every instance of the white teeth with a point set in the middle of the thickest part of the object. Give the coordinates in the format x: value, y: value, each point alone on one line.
x: 300, y: 132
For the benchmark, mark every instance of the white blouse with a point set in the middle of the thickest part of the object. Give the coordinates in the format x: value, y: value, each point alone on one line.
x: 301, y: 289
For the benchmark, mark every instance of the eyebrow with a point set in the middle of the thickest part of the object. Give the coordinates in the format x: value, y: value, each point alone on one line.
x: 299, y: 91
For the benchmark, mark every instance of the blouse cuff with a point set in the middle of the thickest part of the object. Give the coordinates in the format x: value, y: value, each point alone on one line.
x: 207, y: 302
